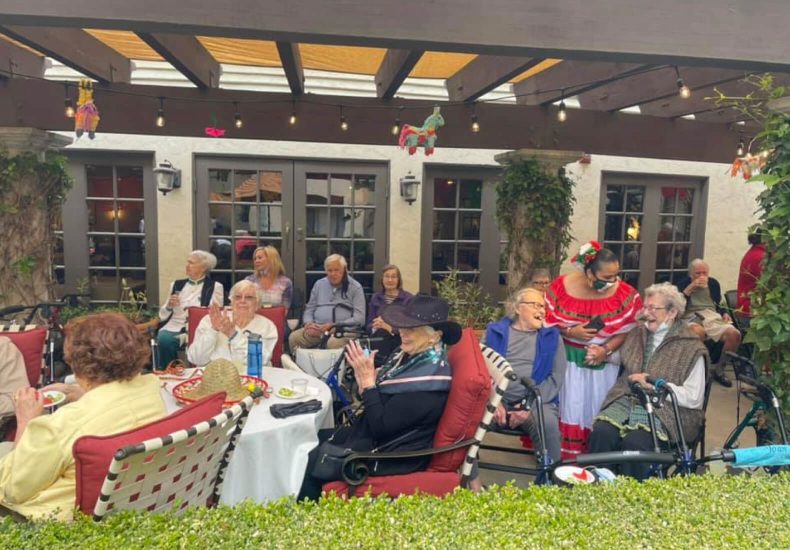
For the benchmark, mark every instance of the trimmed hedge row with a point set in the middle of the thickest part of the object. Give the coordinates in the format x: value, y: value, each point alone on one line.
x: 706, y: 511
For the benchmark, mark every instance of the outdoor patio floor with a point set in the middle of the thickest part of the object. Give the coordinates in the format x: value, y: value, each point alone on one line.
x: 720, y: 422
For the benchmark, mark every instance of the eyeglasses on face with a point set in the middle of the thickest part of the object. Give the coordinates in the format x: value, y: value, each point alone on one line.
x: 540, y: 283
x: 652, y: 309
x: 248, y: 297
x: 538, y: 305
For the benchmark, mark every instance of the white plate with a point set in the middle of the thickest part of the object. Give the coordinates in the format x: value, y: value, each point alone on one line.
x: 291, y: 394
x: 57, y: 397
x: 573, y: 475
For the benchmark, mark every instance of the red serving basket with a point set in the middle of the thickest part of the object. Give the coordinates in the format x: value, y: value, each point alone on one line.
x: 187, y: 385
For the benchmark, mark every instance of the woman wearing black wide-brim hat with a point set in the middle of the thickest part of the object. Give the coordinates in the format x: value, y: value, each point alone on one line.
x: 404, y: 399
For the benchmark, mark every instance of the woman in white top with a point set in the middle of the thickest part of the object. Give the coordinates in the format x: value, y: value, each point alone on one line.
x: 198, y: 289
x: 222, y: 334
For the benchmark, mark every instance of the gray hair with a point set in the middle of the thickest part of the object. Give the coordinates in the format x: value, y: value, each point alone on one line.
x: 697, y: 262
x: 243, y: 285
x: 669, y: 293
x: 430, y: 333
x: 540, y: 272
x: 336, y: 258
x: 512, y: 303
x: 206, y: 259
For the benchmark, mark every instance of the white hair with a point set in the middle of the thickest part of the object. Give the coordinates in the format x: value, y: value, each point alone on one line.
x: 512, y: 304
x: 243, y: 285
x: 334, y: 259
x: 696, y: 262
x: 206, y: 259
x: 669, y: 293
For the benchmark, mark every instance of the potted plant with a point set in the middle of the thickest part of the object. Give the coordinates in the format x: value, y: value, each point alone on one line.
x: 133, y: 305
x: 470, y: 305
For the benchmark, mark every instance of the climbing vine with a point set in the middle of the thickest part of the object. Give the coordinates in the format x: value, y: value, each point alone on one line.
x: 534, y: 208
x: 770, y: 325
x: 32, y: 191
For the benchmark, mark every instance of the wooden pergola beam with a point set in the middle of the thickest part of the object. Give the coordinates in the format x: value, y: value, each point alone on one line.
x: 394, y: 68
x: 75, y: 48
x: 634, y: 31
x: 291, y: 61
x: 38, y: 104
x: 569, y: 78
x: 649, y: 86
x: 700, y: 100
x: 187, y: 55
x: 483, y: 74
x: 15, y: 61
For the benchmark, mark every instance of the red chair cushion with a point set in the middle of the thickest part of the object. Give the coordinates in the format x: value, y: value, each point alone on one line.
x: 93, y: 454
x: 465, y: 404
x: 433, y: 483
x: 194, y: 316
x: 276, y: 314
x: 31, y: 345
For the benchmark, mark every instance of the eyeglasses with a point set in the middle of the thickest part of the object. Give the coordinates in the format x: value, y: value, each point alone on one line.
x: 653, y: 309
x: 245, y: 297
x: 538, y: 305
x: 540, y: 283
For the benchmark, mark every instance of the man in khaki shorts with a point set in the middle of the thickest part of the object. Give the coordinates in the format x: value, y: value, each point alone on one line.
x: 706, y: 318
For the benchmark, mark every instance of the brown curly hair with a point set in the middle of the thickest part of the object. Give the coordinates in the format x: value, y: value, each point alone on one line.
x: 104, y: 347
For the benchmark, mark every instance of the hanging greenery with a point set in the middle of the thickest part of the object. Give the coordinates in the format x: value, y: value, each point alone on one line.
x: 32, y: 192
x: 534, y: 208
x: 770, y: 325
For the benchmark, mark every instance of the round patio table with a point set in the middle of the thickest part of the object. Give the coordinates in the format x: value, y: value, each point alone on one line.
x: 271, y: 455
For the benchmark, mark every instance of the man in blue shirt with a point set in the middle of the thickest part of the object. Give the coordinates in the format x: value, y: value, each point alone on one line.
x: 337, y: 298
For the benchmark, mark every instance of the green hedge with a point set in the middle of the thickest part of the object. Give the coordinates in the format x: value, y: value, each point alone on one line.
x: 697, y: 512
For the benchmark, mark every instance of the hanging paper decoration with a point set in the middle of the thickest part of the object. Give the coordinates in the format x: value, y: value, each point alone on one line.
x: 213, y: 130
x: 749, y: 165
x: 423, y: 136
x: 86, y: 119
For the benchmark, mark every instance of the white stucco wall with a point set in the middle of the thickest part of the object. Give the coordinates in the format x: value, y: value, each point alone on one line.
x: 730, y: 208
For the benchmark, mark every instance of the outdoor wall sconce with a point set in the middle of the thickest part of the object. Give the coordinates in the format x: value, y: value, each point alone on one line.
x: 167, y: 177
x: 408, y: 188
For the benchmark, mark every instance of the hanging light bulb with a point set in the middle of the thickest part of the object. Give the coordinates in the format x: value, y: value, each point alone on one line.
x: 683, y: 90
x: 160, y: 114
x: 475, y: 124
x: 292, y: 119
x: 396, y: 126
x: 67, y: 103
x: 741, y: 148
x: 343, y: 121
x: 562, y: 114
x: 237, y: 121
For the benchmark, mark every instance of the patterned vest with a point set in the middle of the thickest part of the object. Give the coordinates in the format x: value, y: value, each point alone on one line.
x: 673, y: 360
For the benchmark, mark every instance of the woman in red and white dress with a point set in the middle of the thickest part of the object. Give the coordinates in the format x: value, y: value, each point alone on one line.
x: 594, y: 310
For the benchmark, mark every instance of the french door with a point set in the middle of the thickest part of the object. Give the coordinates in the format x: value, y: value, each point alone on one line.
x: 654, y: 224
x: 307, y: 210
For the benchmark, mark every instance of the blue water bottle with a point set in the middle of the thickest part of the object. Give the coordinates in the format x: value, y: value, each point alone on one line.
x: 254, y: 355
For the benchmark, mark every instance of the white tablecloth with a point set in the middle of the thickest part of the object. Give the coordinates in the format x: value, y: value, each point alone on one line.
x: 271, y: 456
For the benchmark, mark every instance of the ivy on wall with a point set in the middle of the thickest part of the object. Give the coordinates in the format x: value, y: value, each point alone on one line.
x: 534, y: 208
x: 32, y: 192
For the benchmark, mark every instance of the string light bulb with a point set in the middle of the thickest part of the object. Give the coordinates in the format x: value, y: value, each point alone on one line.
x: 741, y: 148
x: 292, y: 119
x: 160, y: 114
x: 68, y: 105
x: 237, y: 120
x: 475, y: 121
x: 683, y: 90
x: 396, y: 126
x: 343, y: 121
x: 562, y: 114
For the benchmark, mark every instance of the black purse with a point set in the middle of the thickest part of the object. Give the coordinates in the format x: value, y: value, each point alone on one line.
x: 329, y: 466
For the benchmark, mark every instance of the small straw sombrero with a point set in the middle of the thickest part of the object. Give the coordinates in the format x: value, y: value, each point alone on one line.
x: 219, y: 375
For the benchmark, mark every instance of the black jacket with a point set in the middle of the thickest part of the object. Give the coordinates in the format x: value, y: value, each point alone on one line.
x: 205, y: 294
x: 713, y: 286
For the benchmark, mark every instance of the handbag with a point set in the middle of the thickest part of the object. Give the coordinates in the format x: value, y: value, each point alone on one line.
x: 329, y: 465
x: 318, y: 362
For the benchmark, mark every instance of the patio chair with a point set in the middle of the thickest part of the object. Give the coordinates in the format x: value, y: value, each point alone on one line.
x: 175, y: 471
x: 276, y: 314
x: 31, y: 343
x: 479, y: 381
